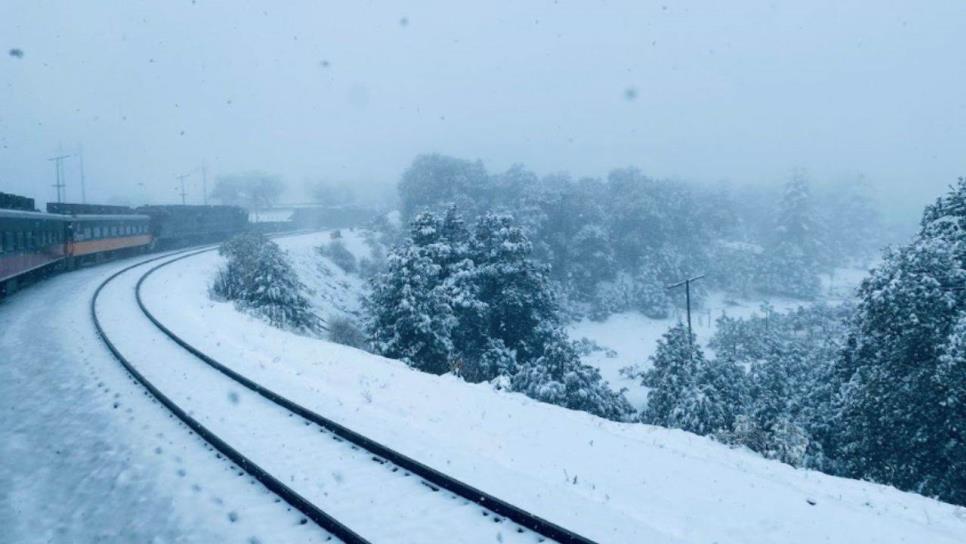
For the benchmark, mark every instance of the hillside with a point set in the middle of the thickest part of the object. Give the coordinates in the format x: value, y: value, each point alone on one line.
x: 613, y: 482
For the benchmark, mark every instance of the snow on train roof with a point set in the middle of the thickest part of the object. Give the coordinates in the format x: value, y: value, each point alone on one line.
x: 21, y: 214
x: 108, y: 217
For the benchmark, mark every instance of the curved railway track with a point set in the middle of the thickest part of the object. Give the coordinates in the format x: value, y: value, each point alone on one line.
x: 496, y: 509
x: 287, y: 494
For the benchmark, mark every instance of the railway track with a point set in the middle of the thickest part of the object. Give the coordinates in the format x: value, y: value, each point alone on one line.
x: 383, y: 472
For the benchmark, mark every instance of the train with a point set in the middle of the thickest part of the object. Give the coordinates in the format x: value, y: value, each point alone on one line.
x: 34, y: 244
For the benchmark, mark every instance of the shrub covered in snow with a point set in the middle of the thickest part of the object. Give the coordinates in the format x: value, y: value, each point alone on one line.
x: 345, y: 331
x: 342, y: 257
x: 259, y: 278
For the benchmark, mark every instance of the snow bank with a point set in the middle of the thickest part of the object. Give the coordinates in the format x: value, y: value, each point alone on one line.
x: 611, y: 482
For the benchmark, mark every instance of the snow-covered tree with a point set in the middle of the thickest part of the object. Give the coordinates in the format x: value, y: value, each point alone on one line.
x: 474, y: 303
x: 410, y: 316
x: 792, y: 258
x: 435, y: 181
x: 686, y: 390
x: 902, y: 420
x: 515, y: 289
x: 853, y: 230
x: 558, y: 377
x: 591, y: 259
x: 259, y: 278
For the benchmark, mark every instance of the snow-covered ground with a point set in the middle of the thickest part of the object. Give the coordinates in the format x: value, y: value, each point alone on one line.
x: 86, y: 456
x: 380, y: 504
x: 630, y: 338
x: 331, y: 291
x: 611, y: 482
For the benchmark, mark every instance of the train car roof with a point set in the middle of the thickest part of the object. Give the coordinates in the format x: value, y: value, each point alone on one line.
x: 21, y: 214
x: 108, y: 217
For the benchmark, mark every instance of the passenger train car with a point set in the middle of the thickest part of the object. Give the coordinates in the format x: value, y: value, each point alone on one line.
x: 97, y: 236
x: 30, y: 242
x: 33, y: 244
x: 175, y: 226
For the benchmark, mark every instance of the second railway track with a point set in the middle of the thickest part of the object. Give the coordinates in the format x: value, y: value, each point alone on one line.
x: 353, y: 487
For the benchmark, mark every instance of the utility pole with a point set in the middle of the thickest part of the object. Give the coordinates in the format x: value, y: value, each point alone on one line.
x: 181, y: 178
x: 59, y: 184
x: 687, y: 290
x: 80, y: 157
x: 204, y: 183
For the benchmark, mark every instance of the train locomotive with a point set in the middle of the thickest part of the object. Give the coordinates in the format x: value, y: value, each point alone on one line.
x: 34, y: 243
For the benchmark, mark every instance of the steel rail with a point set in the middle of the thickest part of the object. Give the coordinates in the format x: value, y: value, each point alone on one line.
x: 309, y: 510
x: 518, y: 515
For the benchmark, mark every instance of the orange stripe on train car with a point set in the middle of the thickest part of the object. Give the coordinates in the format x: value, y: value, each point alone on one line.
x: 87, y: 247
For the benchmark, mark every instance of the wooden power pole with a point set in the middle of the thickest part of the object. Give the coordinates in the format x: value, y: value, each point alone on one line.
x: 687, y: 290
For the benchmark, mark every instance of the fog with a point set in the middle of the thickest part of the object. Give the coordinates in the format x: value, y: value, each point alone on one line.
x: 351, y: 92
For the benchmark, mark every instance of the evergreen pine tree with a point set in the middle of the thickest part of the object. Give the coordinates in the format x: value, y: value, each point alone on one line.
x: 558, y: 377
x: 901, y: 419
x: 259, y: 278
x: 792, y: 259
x: 411, y: 315
x: 476, y: 304
x: 687, y: 391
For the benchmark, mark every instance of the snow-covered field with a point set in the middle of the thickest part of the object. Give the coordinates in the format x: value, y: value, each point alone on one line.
x: 630, y: 338
x: 611, y: 482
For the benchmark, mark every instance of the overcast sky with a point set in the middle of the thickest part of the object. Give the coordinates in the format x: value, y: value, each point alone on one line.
x: 704, y: 90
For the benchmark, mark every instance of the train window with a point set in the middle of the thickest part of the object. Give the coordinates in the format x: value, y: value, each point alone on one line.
x: 3, y: 242
x: 8, y: 241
